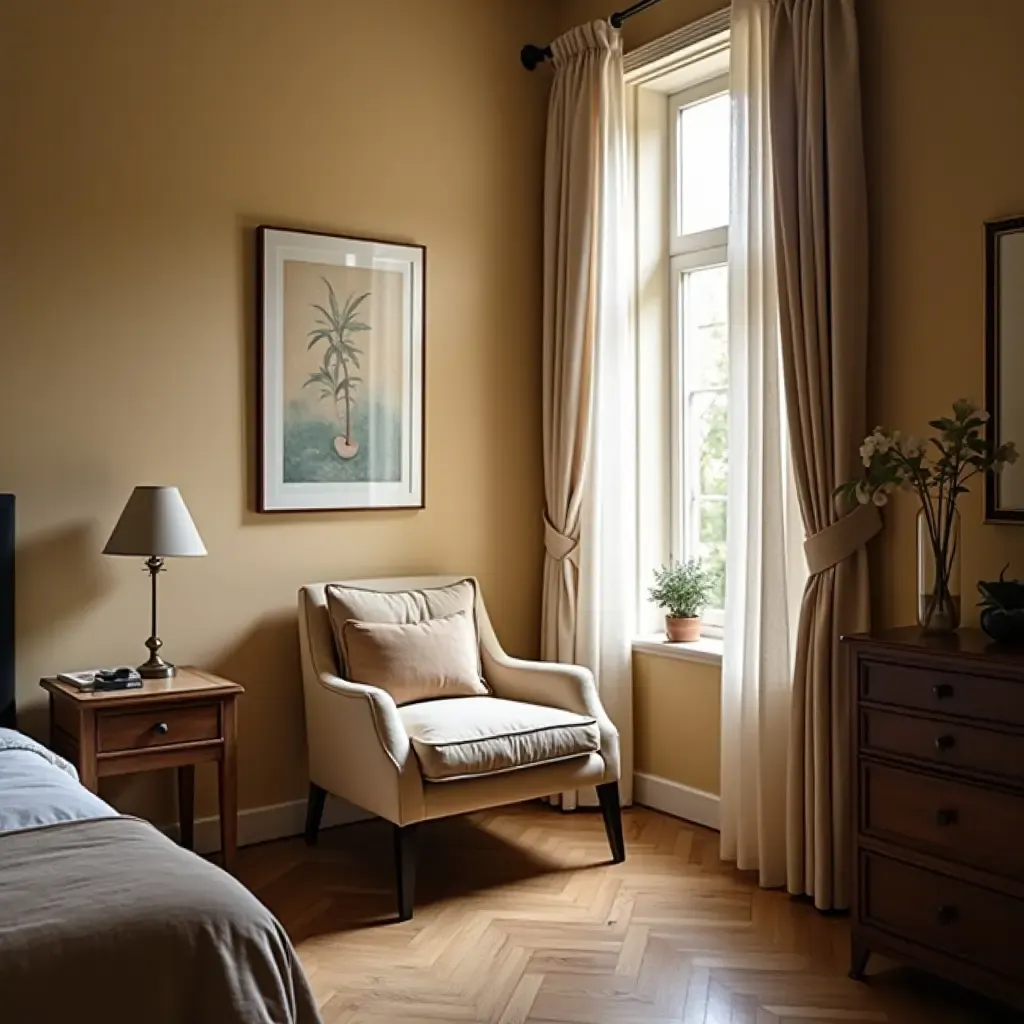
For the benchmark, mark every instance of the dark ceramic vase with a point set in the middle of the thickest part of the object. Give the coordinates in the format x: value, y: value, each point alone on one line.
x: 1003, y: 627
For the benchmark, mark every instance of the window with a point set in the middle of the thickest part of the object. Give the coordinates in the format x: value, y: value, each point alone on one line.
x: 678, y: 106
x: 699, y: 139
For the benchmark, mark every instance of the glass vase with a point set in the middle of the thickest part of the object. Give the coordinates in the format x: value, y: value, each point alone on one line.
x: 938, y: 569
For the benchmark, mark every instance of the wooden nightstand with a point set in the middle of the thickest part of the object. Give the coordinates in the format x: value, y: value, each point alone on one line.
x: 168, y: 723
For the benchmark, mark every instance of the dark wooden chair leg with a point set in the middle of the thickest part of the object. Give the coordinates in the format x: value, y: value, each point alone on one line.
x: 405, y: 869
x: 314, y: 812
x: 608, y: 794
x: 859, y: 956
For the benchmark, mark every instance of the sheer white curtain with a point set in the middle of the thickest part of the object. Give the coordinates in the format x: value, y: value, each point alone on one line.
x: 764, y: 552
x: 589, y: 377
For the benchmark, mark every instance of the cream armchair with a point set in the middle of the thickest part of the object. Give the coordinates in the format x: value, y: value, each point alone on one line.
x: 380, y: 756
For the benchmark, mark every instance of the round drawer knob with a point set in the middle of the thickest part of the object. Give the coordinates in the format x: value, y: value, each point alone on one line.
x: 946, y: 915
x: 946, y: 816
x: 161, y: 728
x: 942, y: 691
x: 945, y: 743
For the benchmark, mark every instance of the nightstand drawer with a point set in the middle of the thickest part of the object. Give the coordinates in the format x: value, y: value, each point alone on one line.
x: 135, y: 730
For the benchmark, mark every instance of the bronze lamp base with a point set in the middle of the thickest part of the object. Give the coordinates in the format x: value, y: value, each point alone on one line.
x: 155, y: 667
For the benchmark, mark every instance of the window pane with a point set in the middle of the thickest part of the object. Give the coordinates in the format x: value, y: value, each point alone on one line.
x: 704, y: 165
x: 711, y: 543
x: 709, y: 428
x: 706, y: 327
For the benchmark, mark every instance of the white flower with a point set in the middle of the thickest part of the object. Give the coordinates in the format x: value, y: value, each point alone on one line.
x: 980, y: 414
x: 862, y: 493
x: 1010, y: 453
x: 913, y: 447
x: 880, y: 498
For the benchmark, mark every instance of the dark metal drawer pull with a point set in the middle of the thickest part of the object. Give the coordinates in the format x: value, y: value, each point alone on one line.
x: 946, y: 915
x: 942, y: 691
x: 945, y: 743
x: 162, y: 728
x: 946, y: 816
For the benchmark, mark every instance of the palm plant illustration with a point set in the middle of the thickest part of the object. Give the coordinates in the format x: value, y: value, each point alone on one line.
x: 335, y: 378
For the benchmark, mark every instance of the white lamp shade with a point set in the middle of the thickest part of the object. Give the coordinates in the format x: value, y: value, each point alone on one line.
x: 155, y: 522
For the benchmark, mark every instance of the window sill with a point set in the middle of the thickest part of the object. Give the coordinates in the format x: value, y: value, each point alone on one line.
x: 707, y: 650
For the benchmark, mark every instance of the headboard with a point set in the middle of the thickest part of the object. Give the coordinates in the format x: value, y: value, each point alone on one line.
x: 7, y: 716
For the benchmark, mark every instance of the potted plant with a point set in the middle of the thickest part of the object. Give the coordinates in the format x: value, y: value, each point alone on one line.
x: 682, y: 589
x: 1002, y: 608
x: 937, y: 470
x: 335, y: 377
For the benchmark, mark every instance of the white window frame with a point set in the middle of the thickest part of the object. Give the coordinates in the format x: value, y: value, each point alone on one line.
x: 696, y: 251
x: 656, y: 73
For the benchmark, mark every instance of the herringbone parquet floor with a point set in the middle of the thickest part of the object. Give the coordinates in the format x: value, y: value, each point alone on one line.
x: 521, y: 918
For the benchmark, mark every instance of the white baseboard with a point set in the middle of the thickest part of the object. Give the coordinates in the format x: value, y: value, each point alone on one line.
x: 278, y: 821
x: 676, y: 799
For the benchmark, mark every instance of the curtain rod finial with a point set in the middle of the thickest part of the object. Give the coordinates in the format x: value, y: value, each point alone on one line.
x: 533, y: 56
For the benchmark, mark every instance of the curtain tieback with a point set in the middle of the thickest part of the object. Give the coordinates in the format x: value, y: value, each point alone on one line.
x: 841, y: 539
x: 558, y: 545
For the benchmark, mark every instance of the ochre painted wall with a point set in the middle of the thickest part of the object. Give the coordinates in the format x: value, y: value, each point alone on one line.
x: 677, y: 720
x: 942, y: 84
x: 142, y: 144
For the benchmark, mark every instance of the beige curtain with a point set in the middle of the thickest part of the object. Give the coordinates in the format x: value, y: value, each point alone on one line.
x: 821, y: 246
x: 589, y: 597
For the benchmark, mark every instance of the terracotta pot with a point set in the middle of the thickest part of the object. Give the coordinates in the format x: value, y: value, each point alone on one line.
x: 682, y: 631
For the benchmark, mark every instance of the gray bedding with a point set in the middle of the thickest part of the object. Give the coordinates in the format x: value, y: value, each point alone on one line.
x: 37, y: 787
x: 109, y: 920
x: 104, y: 918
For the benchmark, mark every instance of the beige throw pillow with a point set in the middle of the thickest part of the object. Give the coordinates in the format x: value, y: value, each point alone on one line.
x: 415, y: 661
x: 401, y: 606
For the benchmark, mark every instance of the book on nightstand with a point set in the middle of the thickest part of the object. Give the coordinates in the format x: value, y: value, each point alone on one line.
x: 103, y: 679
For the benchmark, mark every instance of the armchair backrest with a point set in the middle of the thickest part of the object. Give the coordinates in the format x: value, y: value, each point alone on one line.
x: 318, y: 651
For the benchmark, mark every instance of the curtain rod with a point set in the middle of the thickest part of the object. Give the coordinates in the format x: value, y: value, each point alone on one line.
x: 533, y: 56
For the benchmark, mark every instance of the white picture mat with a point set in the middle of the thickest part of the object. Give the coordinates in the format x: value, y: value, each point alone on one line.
x: 279, y: 247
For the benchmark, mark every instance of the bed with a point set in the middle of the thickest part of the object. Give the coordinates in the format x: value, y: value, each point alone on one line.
x: 102, y: 917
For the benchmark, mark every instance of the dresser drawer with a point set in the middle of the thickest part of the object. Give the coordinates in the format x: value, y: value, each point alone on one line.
x: 943, y: 743
x: 993, y: 700
x: 135, y: 730
x: 958, y: 821
x: 979, y: 925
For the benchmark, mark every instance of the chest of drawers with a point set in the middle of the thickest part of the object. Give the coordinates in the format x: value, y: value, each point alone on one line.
x: 938, y: 799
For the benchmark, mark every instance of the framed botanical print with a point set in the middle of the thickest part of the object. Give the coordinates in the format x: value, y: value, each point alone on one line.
x: 341, y: 372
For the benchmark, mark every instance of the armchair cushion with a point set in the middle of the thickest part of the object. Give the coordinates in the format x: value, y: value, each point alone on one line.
x: 459, y: 739
x: 418, y: 661
x: 403, y: 607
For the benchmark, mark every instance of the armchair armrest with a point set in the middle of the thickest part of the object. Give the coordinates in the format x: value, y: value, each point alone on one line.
x: 374, y: 708
x: 359, y: 749
x: 554, y: 685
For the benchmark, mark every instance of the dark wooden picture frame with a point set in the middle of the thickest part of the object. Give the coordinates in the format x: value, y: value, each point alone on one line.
x: 322, y: 300
x: 995, y: 511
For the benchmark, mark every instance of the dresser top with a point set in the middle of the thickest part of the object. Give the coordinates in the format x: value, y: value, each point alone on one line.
x: 964, y: 643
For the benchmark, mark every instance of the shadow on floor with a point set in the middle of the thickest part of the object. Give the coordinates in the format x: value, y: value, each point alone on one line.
x: 348, y: 881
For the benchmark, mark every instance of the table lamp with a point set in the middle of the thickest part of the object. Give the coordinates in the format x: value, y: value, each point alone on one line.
x: 155, y: 525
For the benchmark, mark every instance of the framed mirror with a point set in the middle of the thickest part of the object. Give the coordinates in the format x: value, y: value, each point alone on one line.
x: 1004, y: 362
